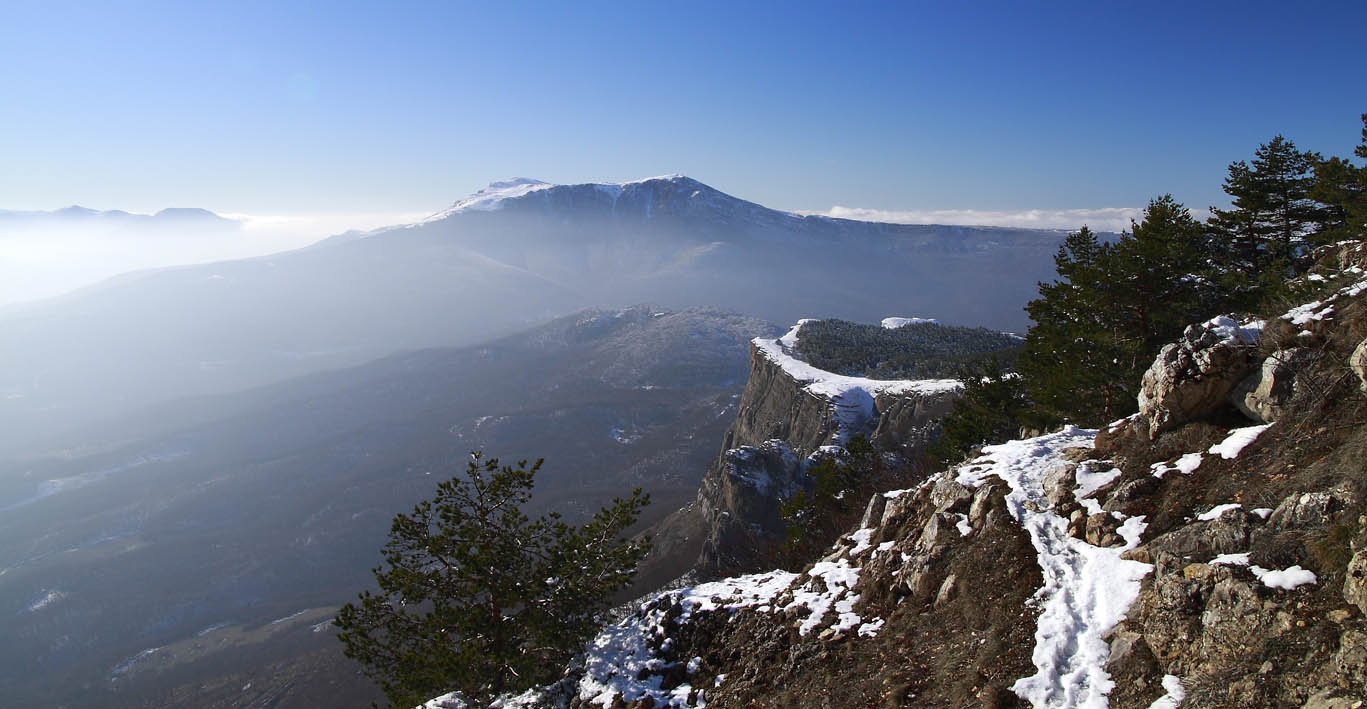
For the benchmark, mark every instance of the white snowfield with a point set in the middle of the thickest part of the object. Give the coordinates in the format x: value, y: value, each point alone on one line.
x: 1087, y: 589
x: 851, y: 397
x: 894, y: 323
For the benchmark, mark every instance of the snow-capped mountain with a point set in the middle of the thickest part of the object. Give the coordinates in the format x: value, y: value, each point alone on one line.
x: 513, y: 254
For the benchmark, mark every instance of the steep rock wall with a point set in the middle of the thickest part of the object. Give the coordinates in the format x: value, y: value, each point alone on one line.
x: 787, y: 415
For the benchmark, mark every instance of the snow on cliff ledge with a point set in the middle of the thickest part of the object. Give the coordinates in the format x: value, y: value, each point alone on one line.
x: 851, y: 397
x: 894, y: 323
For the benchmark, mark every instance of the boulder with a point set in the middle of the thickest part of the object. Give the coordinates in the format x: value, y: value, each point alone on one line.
x: 1311, y: 509
x: 1358, y: 362
x: 1059, y: 484
x: 1192, y: 377
x: 1264, y: 395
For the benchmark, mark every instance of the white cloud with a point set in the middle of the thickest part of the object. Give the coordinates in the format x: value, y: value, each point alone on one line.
x: 1098, y: 219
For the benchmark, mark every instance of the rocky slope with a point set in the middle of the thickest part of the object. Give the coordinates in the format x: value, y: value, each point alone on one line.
x: 1208, y: 551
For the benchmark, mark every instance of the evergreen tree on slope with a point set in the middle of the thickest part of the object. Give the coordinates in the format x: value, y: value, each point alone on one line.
x: 1342, y: 186
x: 478, y: 598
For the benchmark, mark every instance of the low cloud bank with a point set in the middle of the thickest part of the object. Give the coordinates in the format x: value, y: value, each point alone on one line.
x: 44, y: 254
x: 1100, y: 219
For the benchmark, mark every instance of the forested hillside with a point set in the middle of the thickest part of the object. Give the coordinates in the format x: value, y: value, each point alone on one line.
x: 916, y: 350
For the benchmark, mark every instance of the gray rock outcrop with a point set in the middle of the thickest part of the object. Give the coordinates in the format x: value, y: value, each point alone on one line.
x: 1264, y: 395
x: 1358, y: 362
x: 1193, y: 377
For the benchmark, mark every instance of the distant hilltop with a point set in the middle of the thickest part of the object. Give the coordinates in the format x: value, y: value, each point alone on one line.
x: 76, y: 214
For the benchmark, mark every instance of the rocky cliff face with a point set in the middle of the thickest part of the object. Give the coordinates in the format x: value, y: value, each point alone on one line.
x: 789, y: 413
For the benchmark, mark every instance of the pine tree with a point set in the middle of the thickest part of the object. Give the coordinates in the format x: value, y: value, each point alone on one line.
x: 1074, y: 360
x: 1160, y: 278
x: 1342, y: 187
x: 476, y: 597
x: 1272, y: 207
x: 1238, y: 231
x: 1100, y: 324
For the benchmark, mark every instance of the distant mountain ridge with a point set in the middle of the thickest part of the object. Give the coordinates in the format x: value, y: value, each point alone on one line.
x: 515, y: 254
x: 171, y: 216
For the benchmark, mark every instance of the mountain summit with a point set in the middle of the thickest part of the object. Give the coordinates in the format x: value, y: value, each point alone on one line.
x: 644, y: 198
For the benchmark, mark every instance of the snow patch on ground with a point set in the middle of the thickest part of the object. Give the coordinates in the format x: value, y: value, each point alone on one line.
x: 1320, y: 309
x: 1185, y: 465
x: 789, y: 339
x: 1303, y: 314
x: 837, y: 578
x: 861, y: 541
x: 1087, y: 589
x: 1175, y: 693
x: 871, y: 628
x: 1090, y: 479
x: 621, y: 654
x: 1236, y: 441
x: 1215, y: 512
x: 1285, y: 579
x: 1239, y: 559
x: 534, y: 698
x: 1232, y: 332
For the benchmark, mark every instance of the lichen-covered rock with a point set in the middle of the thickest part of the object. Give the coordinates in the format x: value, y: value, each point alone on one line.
x: 1355, y: 581
x: 1227, y: 534
x: 1059, y: 484
x: 1192, y: 377
x: 1358, y: 362
x: 1311, y: 508
x: 1350, y: 662
x: 1264, y: 395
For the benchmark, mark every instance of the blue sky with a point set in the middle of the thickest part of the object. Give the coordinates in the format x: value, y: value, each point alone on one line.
x: 389, y: 108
